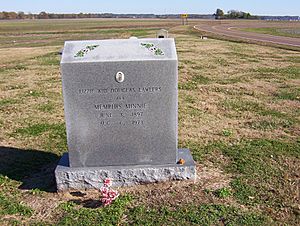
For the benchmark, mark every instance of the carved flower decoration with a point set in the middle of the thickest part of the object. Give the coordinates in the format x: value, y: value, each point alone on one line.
x: 84, y: 51
x: 151, y: 47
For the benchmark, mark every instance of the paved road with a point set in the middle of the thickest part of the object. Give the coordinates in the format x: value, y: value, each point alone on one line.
x: 231, y: 30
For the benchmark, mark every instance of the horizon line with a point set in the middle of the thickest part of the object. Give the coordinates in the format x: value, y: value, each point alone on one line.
x: 159, y: 14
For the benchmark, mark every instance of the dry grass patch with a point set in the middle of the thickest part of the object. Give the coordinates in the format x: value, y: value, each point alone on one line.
x: 21, y: 54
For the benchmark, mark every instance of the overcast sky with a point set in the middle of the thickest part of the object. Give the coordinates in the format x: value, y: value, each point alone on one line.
x: 257, y: 7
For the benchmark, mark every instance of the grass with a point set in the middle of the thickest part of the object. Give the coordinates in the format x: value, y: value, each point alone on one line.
x: 260, y: 169
x: 190, y: 99
x: 294, y: 33
x: 290, y: 72
x: 193, y: 111
x: 52, y: 59
x: 226, y: 132
x: 18, y: 67
x: 238, y: 114
x: 241, y: 106
x: 37, y: 129
x: 194, y: 82
x: 259, y: 164
x: 231, y: 80
x: 55, y: 32
x: 206, y: 214
x: 270, y: 124
x: 222, y: 62
x: 200, y: 152
x: 7, y: 101
x: 35, y: 93
x: 10, y: 203
x: 270, y: 119
x: 10, y: 206
x: 111, y: 215
x: 222, y: 193
x: 55, y: 138
x: 47, y: 108
x: 71, y: 26
x: 289, y: 94
x: 190, y: 85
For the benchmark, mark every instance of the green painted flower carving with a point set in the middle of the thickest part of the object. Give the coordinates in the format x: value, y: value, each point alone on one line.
x: 151, y: 47
x: 84, y: 51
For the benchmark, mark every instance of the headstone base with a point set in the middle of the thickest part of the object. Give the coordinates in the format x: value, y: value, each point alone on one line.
x: 68, y: 178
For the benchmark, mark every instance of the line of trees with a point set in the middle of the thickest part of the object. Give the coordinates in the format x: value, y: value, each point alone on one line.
x: 12, y: 15
x: 44, y: 15
x: 233, y: 14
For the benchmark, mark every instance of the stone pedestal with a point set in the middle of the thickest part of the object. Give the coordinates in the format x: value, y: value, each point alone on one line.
x: 68, y: 178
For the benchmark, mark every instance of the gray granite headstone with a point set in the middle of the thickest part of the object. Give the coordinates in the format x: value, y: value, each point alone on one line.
x: 162, y: 33
x: 120, y: 99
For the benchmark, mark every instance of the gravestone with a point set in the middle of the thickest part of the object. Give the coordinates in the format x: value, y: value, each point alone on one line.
x: 120, y: 99
x: 162, y: 33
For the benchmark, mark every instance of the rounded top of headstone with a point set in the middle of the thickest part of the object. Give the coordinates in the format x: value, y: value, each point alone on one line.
x: 114, y: 50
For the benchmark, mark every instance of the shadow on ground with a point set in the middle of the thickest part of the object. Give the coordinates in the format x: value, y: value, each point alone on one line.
x: 89, y: 203
x: 35, y: 169
x: 84, y: 200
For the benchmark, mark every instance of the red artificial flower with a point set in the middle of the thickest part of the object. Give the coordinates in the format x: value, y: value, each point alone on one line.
x: 108, y: 182
x: 108, y: 194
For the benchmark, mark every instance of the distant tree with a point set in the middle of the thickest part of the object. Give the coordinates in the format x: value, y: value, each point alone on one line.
x: 52, y: 16
x: 21, y: 15
x: 235, y: 14
x: 232, y: 14
x: 219, y: 14
x: 10, y: 15
x: 246, y: 15
x: 30, y: 15
x: 81, y: 15
x: 43, y: 15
